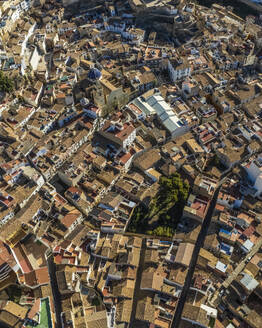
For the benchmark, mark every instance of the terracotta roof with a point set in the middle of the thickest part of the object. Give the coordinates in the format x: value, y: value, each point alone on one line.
x: 195, y: 313
x: 148, y: 159
x: 124, y: 134
x: 219, y: 324
x: 129, y: 273
x: 37, y: 277
x: 151, y: 255
x: 124, y: 289
x: 184, y: 253
x: 15, y: 309
x: 70, y: 218
x: 151, y: 280
x: 97, y: 320
x: 6, y: 255
x: 22, y: 259
x: 35, y: 309
x: 123, y: 311
x: 145, y: 311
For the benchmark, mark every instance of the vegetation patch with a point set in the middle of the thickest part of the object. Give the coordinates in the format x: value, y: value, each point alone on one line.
x: 215, y: 161
x: 14, y: 293
x: 6, y: 84
x: 165, y: 209
x: 212, y: 322
x: 95, y: 301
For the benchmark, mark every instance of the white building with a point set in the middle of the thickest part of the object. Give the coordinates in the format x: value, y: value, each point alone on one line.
x: 34, y: 59
x: 177, y: 69
x: 254, y: 171
x: 156, y: 105
x: 115, y: 27
x: 137, y: 35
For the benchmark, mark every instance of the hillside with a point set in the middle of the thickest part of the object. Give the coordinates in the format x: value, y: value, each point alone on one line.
x: 239, y: 7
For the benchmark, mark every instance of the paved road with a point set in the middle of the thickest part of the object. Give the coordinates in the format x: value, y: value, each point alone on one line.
x: 198, y: 245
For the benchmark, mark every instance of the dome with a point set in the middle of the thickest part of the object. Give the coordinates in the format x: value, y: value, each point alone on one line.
x: 94, y: 74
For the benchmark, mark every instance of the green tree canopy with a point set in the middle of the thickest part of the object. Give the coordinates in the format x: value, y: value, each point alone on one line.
x: 6, y: 84
x: 165, y: 208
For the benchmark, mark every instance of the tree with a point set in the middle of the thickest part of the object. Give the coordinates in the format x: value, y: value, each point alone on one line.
x: 162, y: 231
x: 165, y: 208
x: 6, y: 84
x: 172, y: 190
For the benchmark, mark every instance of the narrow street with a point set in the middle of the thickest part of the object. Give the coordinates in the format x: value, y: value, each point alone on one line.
x: 138, y: 281
x: 199, y: 243
x: 55, y: 290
